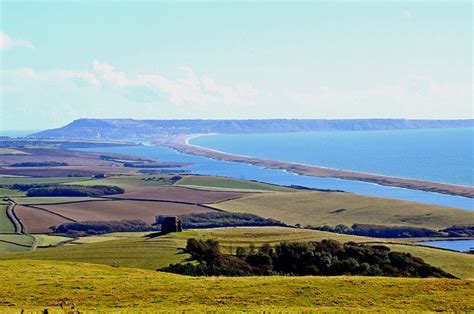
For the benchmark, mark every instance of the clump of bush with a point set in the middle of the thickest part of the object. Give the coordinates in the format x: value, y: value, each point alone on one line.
x: 40, y: 164
x: 85, y: 228
x: 378, y: 231
x: 325, y: 258
x: 459, y: 231
x: 222, y: 219
x: 166, y: 180
x: 35, y: 190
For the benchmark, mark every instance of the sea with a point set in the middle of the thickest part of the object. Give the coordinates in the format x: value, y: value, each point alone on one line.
x: 439, y: 155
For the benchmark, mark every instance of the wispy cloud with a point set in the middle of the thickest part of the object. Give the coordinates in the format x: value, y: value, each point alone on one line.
x: 103, y: 90
x: 6, y: 42
x: 51, y: 75
x: 191, y: 88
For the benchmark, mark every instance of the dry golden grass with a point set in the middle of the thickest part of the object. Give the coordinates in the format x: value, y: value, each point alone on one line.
x: 99, y: 288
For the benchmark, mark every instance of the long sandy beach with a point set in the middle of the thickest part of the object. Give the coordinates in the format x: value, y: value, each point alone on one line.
x: 181, y: 144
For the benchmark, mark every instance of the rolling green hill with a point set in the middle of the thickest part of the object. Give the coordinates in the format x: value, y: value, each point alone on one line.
x: 135, y: 250
x: 323, y: 208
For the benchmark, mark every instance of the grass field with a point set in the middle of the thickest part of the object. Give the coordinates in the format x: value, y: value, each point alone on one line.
x: 15, y: 243
x: 45, y: 240
x: 11, y: 151
x: 6, y: 226
x: 129, y: 181
x: 134, y: 250
x: 180, y: 194
x: 319, y: 208
x: 108, y: 237
x: 7, y: 180
x: 103, y: 288
x: 229, y: 183
x: 9, y: 192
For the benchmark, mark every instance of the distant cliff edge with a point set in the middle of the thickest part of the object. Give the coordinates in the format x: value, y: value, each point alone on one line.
x: 120, y: 129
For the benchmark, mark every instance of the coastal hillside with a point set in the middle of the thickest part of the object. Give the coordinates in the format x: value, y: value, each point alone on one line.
x: 140, y: 129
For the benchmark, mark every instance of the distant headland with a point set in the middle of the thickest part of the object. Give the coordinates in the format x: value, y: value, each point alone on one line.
x: 129, y: 129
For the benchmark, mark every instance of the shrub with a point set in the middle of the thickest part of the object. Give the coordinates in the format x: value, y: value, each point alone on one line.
x: 459, y: 231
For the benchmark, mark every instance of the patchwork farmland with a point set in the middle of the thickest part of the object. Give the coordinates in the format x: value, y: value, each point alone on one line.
x: 147, y: 196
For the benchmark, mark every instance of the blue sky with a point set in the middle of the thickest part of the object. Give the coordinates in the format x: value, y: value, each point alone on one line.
x: 356, y: 59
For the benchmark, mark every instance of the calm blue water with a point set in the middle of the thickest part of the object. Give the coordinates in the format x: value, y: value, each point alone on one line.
x: 208, y: 166
x: 457, y: 245
x: 441, y: 155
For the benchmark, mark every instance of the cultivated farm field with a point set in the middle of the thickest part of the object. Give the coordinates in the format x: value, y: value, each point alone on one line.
x: 122, y: 210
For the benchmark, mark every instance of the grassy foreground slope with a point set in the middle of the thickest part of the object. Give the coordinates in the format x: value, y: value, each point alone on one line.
x: 104, y: 288
x: 320, y: 208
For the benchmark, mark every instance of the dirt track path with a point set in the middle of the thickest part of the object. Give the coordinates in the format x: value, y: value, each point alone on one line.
x: 14, y: 218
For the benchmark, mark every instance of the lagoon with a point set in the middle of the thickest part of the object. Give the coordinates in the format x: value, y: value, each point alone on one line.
x: 456, y: 245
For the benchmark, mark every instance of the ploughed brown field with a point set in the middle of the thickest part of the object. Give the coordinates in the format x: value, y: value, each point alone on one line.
x: 81, y: 164
x: 51, y: 172
x: 36, y: 220
x: 180, y: 194
x: 121, y: 210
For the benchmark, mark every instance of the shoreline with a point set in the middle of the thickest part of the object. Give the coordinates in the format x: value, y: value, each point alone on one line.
x: 181, y: 144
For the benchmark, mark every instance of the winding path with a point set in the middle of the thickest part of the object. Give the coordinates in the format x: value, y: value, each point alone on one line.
x: 19, y: 228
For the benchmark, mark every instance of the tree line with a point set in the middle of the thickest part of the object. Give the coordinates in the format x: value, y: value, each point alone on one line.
x: 378, y: 231
x: 35, y: 190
